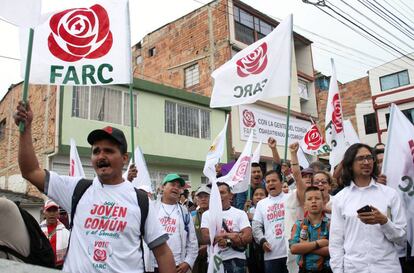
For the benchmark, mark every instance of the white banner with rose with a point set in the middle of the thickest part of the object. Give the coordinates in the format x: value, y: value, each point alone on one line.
x: 313, y: 142
x: 267, y: 124
x: 86, y: 44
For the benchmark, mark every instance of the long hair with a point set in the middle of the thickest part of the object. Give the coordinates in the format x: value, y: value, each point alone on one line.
x: 349, y: 157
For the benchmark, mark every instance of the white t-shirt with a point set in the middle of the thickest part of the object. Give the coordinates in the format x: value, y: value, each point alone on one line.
x: 271, y: 213
x: 169, y: 218
x: 236, y: 220
x: 106, y: 232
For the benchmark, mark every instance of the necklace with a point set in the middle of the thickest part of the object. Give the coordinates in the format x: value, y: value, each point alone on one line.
x: 168, y: 214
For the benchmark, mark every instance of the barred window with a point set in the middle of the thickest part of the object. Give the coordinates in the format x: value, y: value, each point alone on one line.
x: 192, y: 76
x: 186, y: 120
x: 103, y: 104
x: 3, y: 129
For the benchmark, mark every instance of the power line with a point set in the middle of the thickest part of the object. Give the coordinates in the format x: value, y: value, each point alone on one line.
x: 399, y: 11
x: 406, y: 6
x: 10, y: 58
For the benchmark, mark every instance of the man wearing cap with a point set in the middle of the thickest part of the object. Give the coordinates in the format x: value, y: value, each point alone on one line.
x: 202, y: 196
x: 176, y: 221
x: 106, y: 228
x: 55, y: 231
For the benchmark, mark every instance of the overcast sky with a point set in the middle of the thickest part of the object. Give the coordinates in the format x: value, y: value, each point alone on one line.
x: 353, y: 54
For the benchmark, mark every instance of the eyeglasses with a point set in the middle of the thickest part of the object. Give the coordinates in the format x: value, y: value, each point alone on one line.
x: 323, y: 182
x: 362, y: 158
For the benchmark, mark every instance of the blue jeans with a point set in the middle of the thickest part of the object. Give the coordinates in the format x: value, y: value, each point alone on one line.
x: 276, y: 266
x: 234, y: 266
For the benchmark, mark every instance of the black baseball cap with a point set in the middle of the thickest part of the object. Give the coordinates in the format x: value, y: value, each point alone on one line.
x: 111, y: 133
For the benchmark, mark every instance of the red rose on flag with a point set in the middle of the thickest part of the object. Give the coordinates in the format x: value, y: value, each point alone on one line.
x: 253, y: 63
x: 337, y: 114
x: 241, y: 170
x: 72, y: 168
x: 313, y: 138
x: 80, y: 33
x: 99, y: 255
x: 248, y: 118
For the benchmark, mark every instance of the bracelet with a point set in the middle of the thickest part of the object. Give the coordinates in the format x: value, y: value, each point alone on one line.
x: 294, y: 164
x: 317, y: 245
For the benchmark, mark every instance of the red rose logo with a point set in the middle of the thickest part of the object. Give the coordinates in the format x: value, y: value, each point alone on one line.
x: 253, y: 63
x: 80, y: 33
x: 72, y: 168
x: 337, y: 114
x: 313, y: 138
x: 248, y: 118
x: 99, y: 255
x: 241, y: 170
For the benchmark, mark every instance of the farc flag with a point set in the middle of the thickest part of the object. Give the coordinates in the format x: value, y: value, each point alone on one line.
x: 143, y: 177
x: 334, y: 127
x: 86, y: 44
x: 239, y: 176
x: 22, y: 13
x: 261, y: 70
x: 399, y: 163
x: 214, y: 153
x: 313, y: 143
x: 75, y: 165
x: 256, y: 154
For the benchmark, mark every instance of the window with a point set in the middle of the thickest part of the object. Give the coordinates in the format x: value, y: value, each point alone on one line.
x: 157, y: 176
x: 394, y: 80
x: 370, y: 124
x: 249, y: 28
x: 186, y: 120
x: 3, y: 129
x: 409, y: 113
x: 303, y: 90
x: 152, y: 52
x: 322, y: 83
x: 138, y: 60
x: 192, y: 76
x: 103, y: 104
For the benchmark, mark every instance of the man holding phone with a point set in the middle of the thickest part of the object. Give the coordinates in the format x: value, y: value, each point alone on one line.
x: 367, y: 218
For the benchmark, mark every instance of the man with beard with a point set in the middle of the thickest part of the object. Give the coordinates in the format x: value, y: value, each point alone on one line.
x: 106, y: 231
x: 176, y: 221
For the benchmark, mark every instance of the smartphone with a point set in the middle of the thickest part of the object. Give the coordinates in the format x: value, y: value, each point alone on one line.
x: 367, y: 208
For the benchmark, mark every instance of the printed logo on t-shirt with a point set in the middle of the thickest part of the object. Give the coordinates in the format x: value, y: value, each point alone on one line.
x: 275, y: 214
x: 169, y: 224
x: 100, y: 252
x: 229, y: 224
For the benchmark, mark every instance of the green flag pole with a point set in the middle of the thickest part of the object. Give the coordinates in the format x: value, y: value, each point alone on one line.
x: 287, y: 128
x: 27, y: 73
x: 131, y: 111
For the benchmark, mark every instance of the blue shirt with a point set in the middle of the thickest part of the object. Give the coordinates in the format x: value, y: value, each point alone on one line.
x: 319, y: 231
x: 240, y: 198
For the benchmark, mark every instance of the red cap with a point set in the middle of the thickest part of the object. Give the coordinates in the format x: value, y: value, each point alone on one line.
x: 50, y: 203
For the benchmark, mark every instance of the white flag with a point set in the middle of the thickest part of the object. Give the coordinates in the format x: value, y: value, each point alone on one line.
x: 334, y: 127
x: 302, y: 160
x: 22, y: 13
x: 215, y: 152
x: 143, y: 177
x: 239, y: 176
x: 214, y: 226
x: 256, y: 154
x: 261, y: 70
x: 313, y: 143
x: 399, y: 163
x: 351, y: 137
x: 75, y: 165
x: 86, y: 44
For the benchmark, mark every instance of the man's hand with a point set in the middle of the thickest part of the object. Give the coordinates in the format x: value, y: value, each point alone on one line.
x: 323, y: 242
x: 294, y: 147
x: 220, y: 239
x: 183, y: 267
x: 373, y: 217
x: 202, y: 251
x: 23, y: 114
x: 271, y: 142
x: 247, y: 205
x: 267, y: 247
x: 132, y: 172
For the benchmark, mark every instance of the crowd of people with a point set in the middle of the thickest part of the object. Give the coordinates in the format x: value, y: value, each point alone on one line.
x: 291, y: 219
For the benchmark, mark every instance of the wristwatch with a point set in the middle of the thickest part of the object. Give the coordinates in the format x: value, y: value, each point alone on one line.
x: 228, y: 242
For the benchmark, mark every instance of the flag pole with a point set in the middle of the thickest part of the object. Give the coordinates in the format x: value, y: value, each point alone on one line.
x: 131, y: 83
x: 385, y: 163
x: 27, y: 73
x: 287, y: 128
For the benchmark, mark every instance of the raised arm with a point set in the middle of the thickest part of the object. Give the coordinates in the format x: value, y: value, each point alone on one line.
x: 28, y: 163
x: 300, y: 185
x: 271, y: 142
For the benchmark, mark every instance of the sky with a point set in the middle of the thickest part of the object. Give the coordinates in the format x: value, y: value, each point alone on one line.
x: 353, y: 54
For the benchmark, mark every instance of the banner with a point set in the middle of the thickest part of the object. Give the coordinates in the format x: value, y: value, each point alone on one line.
x: 214, y: 153
x: 269, y: 124
x: 22, y: 13
x: 334, y: 127
x: 261, y: 70
x: 313, y: 142
x: 399, y: 164
x: 75, y: 164
x: 86, y: 44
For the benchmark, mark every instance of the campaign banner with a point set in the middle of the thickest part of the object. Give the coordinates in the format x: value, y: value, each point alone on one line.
x: 267, y: 124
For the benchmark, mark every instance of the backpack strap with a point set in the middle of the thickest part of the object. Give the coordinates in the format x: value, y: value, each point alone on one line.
x: 13, y: 252
x: 143, y: 204
x: 80, y: 189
